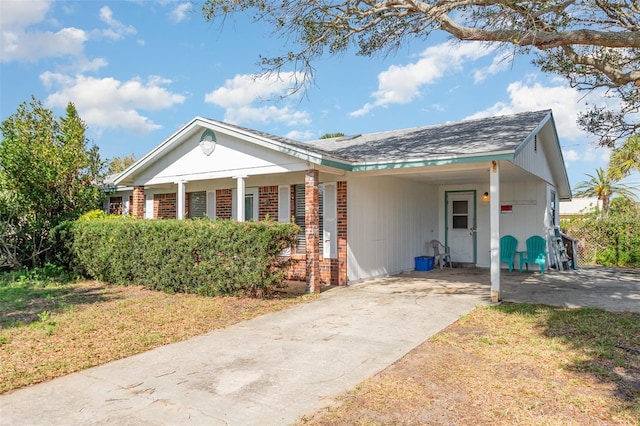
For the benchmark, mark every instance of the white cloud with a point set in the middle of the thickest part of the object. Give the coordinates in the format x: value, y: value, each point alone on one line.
x: 564, y: 101
x: 21, y: 42
x: 84, y: 65
x: 596, y: 154
x: 500, y: 63
x: 110, y: 103
x: 116, y: 30
x: 571, y: 155
x: 401, y: 84
x: 179, y: 13
x: 244, y: 97
x: 17, y: 15
x: 300, y: 135
x: 30, y: 46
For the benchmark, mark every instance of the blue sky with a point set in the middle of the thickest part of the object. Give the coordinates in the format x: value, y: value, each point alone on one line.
x: 138, y: 70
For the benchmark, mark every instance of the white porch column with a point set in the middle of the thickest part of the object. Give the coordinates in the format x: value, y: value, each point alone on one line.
x: 240, y: 185
x: 494, y: 214
x: 181, y: 200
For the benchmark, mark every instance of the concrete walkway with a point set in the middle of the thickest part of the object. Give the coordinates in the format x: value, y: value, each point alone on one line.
x: 267, y: 371
x: 612, y: 289
x: 276, y: 368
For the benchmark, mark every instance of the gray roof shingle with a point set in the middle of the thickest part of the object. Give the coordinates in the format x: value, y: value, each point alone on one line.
x: 471, y: 137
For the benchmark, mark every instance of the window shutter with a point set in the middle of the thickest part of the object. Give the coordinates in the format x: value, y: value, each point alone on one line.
x: 234, y: 204
x: 148, y: 207
x: 330, y: 228
x: 299, y: 217
x: 211, y: 205
x: 284, y: 204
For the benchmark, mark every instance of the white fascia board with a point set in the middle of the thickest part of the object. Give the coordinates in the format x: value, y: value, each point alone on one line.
x: 157, y: 151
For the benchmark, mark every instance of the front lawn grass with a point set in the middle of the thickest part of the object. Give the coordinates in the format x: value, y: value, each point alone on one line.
x: 50, y: 327
x: 509, y: 364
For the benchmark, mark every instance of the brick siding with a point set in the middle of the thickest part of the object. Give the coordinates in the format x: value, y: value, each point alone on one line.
x: 223, y: 204
x: 342, y: 233
x: 268, y: 202
x: 332, y: 271
x: 312, y: 229
x: 164, y: 206
x: 137, y: 205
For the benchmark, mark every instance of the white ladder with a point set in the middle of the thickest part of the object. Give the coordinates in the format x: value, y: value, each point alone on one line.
x: 559, y: 250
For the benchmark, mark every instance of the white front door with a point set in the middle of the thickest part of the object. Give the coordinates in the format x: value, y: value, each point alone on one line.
x: 461, y: 232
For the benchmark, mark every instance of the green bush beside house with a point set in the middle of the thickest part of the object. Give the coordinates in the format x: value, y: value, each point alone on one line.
x: 189, y: 256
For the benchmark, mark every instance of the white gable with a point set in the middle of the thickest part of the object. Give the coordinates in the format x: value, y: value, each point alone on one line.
x: 541, y: 156
x: 231, y: 157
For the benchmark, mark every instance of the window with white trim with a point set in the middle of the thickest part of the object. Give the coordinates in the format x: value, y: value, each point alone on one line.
x: 197, y: 207
x: 250, y: 204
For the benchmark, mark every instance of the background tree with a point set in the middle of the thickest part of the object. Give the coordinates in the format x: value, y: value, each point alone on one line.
x: 119, y: 164
x: 592, y: 43
x: 625, y: 159
x: 331, y: 135
x: 48, y: 175
x: 602, y: 186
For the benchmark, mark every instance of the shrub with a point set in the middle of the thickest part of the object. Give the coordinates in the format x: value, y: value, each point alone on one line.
x: 612, y: 241
x: 191, y: 256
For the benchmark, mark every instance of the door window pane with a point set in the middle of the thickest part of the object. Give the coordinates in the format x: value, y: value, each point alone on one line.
x: 460, y: 214
x: 460, y: 222
x: 460, y: 207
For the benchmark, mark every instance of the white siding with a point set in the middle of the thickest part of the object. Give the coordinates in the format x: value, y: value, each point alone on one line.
x: 390, y: 221
x: 231, y: 157
x: 529, y: 201
x: 533, y: 158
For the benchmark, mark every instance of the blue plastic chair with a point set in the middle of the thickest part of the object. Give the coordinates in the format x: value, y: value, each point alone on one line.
x: 508, y: 245
x: 536, y: 253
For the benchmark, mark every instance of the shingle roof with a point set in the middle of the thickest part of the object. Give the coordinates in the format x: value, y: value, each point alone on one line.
x: 471, y: 137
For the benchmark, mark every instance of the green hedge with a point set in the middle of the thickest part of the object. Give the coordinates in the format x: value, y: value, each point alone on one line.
x: 188, y: 256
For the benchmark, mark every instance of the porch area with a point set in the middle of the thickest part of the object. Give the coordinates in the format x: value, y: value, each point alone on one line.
x: 612, y: 289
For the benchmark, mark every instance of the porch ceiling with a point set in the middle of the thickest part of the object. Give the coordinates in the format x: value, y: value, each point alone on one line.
x: 451, y: 175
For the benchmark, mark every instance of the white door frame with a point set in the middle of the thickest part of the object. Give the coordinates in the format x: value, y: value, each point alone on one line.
x: 471, y: 195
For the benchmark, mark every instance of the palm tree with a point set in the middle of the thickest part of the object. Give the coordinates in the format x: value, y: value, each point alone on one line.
x: 604, y: 187
x: 625, y: 159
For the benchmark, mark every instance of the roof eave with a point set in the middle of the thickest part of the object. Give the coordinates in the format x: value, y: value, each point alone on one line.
x: 439, y: 161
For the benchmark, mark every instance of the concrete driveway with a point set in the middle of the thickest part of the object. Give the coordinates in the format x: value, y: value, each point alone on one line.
x: 276, y: 368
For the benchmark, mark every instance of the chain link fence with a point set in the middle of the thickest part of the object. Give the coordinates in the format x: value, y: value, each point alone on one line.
x: 589, y: 245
